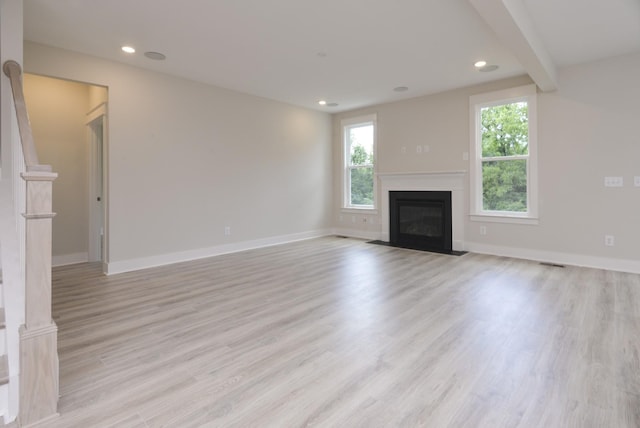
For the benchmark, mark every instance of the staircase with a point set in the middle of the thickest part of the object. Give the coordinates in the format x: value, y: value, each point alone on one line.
x: 8, y: 388
x: 4, y: 361
x: 9, y: 326
x: 28, y: 335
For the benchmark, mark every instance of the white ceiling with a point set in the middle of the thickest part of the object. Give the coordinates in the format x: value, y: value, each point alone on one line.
x: 351, y: 52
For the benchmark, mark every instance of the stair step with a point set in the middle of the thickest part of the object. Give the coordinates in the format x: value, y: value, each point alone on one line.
x: 2, y: 335
x: 4, y: 370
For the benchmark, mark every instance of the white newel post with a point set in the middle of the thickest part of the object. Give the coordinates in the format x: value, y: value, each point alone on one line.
x: 38, y: 336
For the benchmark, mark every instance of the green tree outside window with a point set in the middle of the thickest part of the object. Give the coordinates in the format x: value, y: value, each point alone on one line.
x: 360, y: 168
x: 505, y: 150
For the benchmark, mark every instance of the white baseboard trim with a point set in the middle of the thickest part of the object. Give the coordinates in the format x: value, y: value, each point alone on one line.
x: 621, y: 265
x: 185, y: 256
x: 608, y: 263
x: 4, y: 403
x: 355, y: 233
x: 69, y: 259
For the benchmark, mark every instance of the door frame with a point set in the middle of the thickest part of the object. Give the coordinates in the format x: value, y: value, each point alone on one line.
x: 98, y: 248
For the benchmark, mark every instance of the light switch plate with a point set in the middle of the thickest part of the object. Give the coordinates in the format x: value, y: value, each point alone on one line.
x: 613, y: 182
x: 636, y: 181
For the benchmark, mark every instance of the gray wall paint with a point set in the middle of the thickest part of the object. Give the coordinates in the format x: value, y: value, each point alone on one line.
x: 587, y: 130
x: 187, y: 159
x: 57, y: 112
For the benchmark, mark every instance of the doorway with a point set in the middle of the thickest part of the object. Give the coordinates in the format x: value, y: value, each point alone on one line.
x: 70, y: 127
x: 97, y: 204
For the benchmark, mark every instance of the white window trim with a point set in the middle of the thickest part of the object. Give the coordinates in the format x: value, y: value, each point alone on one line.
x: 476, y: 103
x: 346, y: 206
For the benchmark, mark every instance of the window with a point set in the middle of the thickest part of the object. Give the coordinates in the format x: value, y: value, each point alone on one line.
x: 503, y: 148
x: 359, y: 142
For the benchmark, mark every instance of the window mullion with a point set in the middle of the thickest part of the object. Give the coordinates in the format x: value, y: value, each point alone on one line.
x: 504, y: 158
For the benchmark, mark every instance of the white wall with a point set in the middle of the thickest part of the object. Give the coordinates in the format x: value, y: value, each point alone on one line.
x: 586, y: 130
x: 440, y: 121
x: 188, y: 159
x: 97, y: 95
x: 57, y: 112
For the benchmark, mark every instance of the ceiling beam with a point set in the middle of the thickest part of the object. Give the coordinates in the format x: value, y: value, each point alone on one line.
x: 510, y: 20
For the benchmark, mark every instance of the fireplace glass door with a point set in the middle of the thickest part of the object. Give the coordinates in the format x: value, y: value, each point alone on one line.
x: 421, y: 220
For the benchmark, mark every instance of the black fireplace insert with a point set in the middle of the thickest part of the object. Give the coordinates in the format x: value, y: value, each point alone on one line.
x: 421, y: 220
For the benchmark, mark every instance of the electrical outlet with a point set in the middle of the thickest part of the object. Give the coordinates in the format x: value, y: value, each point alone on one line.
x: 609, y: 240
x: 403, y: 150
x: 636, y: 181
x: 483, y: 230
x: 419, y: 150
x: 227, y: 230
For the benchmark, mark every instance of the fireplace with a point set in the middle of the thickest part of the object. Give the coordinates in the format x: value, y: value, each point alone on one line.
x: 447, y: 181
x: 421, y: 220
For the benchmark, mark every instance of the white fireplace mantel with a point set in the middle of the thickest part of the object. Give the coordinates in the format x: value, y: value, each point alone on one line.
x: 453, y: 181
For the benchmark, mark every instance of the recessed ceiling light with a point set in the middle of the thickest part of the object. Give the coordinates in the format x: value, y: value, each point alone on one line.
x: 480, y: 64
x: 332, y: 105
x: 488, y: 68
x: 322, y: 102
x: 155, y: 55
x: 401, y: 89
x: 128, y: 49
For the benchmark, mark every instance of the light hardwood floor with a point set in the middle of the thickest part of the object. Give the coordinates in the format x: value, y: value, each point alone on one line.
x: 336, y: 332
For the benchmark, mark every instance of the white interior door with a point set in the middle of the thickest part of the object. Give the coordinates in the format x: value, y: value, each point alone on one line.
x: 97, y: 202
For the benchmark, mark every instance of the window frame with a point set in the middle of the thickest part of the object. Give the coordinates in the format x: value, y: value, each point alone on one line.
x: 346, y: 125
x: 528, y: 94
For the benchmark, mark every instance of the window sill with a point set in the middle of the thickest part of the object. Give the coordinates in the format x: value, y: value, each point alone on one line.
x: 496, y: 218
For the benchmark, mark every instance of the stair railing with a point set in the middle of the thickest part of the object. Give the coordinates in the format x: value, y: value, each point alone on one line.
x: 39, y: 368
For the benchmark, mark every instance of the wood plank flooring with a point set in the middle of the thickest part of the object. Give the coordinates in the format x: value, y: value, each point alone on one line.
x: 336, y: 332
